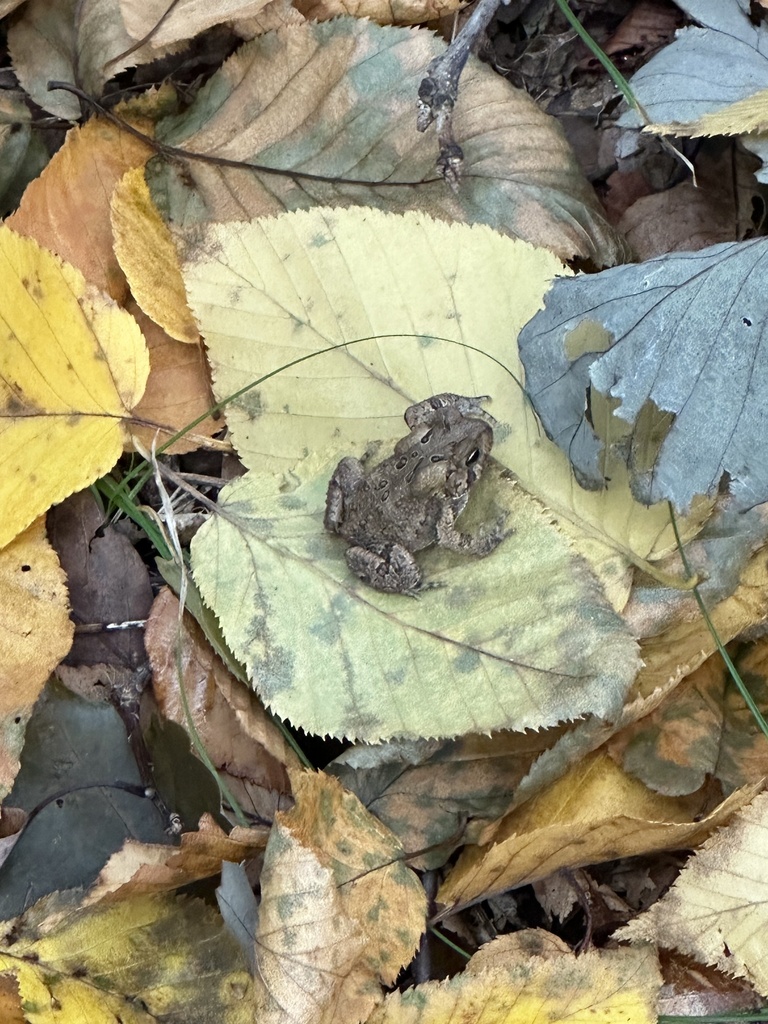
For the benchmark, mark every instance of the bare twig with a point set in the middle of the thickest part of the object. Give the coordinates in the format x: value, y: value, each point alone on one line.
x: 439, y: 90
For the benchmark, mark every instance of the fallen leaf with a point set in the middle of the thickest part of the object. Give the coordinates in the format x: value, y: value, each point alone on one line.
x: 178, y: 391
x: 135, y: 961
x: 594, y: 813
x: 401, y: 12
x: 243, y: 742
x: 146, y: 253
x: 340, y: 912
x: 512, y: 984
x: 715, y: 911
x: 337, y: 99
x: 82, y: 42
x: 675, y: 349
x: 35, y: 634
x: 141, y: 869
x: 73, y: 365
x: 66, y: 209
x: 165, y: 23
x: 726, y: 53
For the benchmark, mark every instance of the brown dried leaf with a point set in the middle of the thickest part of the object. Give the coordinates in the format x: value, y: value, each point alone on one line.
x: 240, y: 738
x: 146, y: 868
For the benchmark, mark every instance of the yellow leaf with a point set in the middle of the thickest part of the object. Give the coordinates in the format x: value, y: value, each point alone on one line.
x: 594, y: 813
x: 72, y: 366
x: 145, y: 250
x: 35, y: 634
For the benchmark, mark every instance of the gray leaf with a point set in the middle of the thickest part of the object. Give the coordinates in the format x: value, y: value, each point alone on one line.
x: 688, y: 338
x: 704, y: 68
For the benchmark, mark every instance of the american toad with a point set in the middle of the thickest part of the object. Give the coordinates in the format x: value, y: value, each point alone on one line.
x: 412, y: 499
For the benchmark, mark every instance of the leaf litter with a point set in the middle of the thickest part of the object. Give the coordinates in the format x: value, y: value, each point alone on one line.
x: 583, y: 576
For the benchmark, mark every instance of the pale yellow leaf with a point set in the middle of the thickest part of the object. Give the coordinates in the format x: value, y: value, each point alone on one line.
x: 717, y: 910
x: 308, y: 950
x: 514, y: 985
x: 745, y: 116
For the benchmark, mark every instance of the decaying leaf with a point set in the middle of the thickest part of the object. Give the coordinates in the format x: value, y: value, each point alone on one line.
x: 73, y: 365
x: 141, y: 869
x: 594, y: 813
x: 82, y: 42
x: 135, y: 961
x: 336, y: 99
x: 241, y: 740
x: 166, y: 23
x: 330, y: 871
x: 702, y: 729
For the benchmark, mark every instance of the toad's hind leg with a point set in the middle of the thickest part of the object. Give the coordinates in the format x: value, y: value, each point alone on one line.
x: 388, y: 567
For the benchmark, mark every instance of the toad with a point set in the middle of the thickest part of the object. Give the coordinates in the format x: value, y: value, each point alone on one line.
x: 412, y: 499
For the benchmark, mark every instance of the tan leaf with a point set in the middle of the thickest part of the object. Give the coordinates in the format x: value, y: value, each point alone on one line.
x: 66, y: 208
x: 178, y: 389
x: 593, y: 813
x: 239, y: 737
x: 166, y: 23
x: 77, y: 41
x: 336, y: 99
x: 146, y: 868
x: 402, y: 12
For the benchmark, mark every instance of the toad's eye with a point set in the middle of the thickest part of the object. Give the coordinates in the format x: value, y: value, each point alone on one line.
x: 473, y: 456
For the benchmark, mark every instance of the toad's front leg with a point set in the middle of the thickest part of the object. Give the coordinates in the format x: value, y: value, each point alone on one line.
x: 479, y: 544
